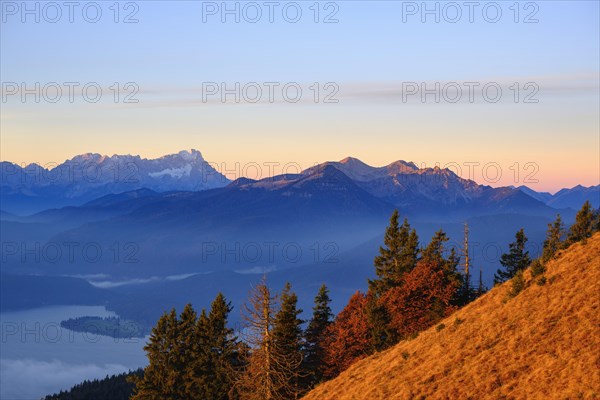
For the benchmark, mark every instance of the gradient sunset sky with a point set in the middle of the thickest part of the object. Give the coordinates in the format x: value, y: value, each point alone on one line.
x: 372, y: 49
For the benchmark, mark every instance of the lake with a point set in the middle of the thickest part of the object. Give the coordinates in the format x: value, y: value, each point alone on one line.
x: 39, y: 357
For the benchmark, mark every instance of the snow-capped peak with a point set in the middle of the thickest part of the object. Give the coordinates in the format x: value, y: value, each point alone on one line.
x: 190, y: 155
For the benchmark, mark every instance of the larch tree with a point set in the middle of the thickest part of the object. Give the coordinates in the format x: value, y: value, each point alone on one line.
x: 517, y: 259
x: 267, y: 371
x: 466, y: 293
x: 258, y: 382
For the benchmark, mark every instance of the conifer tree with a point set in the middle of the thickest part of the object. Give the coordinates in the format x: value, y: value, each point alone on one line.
x: 398, y: 257
x: 434, y: 253
x: 287, y: 340
x: 481, y: 288
x: 517, y: 284
x: 381, y: 336
x: 199, y: 371
x: 554, y: 239
x: 517, y: 259
x: 222, y: 350
x: 186, y: 333
x: 584, y: 224
x: 160, y: 378
x: 183, y: 350
x: 315, y: 336
x: 114, y: 387
x: 189, y: 357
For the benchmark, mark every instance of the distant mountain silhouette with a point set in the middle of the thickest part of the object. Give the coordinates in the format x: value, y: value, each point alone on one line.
x: 88, y: 176
x: 289, y: 226
x: 323, y: 204
x: 571, y: 198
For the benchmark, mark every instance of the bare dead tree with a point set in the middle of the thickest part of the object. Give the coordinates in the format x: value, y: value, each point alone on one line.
x: 269, y: 370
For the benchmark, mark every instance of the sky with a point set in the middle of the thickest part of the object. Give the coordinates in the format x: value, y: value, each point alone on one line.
x: 505, y: 93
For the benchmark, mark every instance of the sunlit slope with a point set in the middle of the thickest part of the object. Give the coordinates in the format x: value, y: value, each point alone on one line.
x: 542, y: 344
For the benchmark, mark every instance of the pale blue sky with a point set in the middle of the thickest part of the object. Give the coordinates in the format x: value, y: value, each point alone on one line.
x: 170, y: 52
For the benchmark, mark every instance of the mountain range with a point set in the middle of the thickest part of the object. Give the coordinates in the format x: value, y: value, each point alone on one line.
x: 83, y: 178
x: 32, y: 188
x: 567, y: 198
x: 177, y: 236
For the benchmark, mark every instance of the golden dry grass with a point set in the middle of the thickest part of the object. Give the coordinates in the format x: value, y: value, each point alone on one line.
x: 542, y: 344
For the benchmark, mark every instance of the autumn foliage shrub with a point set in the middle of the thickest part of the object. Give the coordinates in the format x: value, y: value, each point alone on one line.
x: 423, y: 299
x: 347, y: 338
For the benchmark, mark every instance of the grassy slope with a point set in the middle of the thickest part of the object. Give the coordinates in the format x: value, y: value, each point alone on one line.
x: 542, y: 344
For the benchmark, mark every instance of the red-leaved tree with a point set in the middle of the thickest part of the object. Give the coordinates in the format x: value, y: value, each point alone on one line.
x: 423, y: 299
x: 347, y: 338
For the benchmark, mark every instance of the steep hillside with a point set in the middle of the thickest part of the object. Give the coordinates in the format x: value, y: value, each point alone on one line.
x: 544, y: 343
